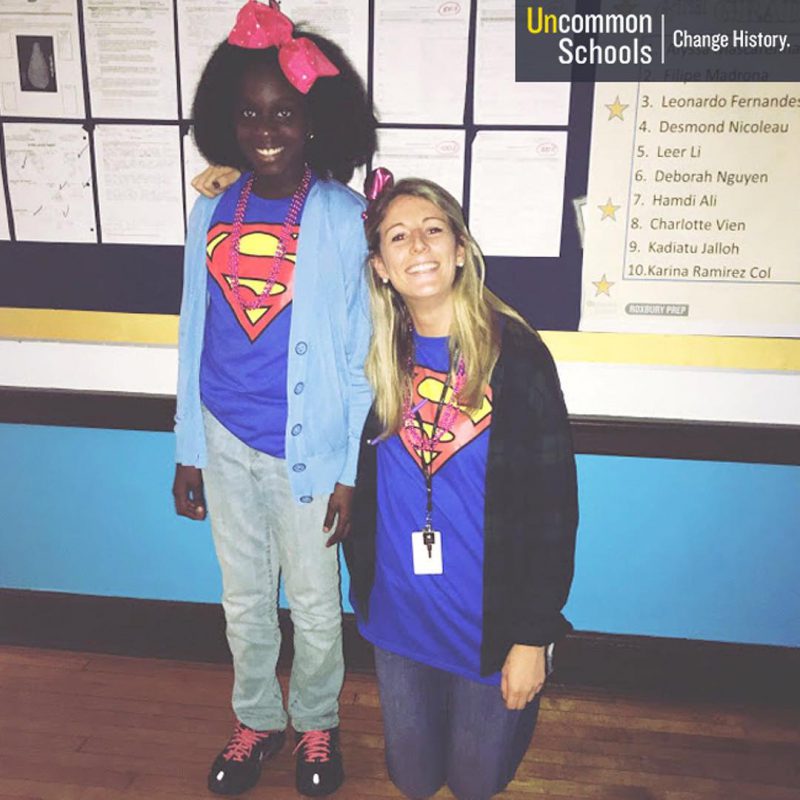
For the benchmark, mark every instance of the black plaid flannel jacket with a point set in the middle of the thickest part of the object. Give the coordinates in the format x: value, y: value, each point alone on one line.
x: 531, y: 506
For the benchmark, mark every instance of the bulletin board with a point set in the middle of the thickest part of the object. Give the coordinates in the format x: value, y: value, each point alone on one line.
x: 96, y: 154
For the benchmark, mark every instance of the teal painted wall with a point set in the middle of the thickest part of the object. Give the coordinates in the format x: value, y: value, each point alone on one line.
x: 688, y: 549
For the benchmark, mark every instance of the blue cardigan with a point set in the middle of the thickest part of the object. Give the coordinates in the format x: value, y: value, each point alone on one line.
x: 328, y: 394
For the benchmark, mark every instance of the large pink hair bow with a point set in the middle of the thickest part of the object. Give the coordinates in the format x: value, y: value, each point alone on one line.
x: 259, y: 26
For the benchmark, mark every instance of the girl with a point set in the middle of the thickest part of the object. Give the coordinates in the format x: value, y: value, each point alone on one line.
x: 272, y: 395
x: 463, y: 532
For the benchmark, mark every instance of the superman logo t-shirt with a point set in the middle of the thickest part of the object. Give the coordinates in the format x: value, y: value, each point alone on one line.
x: 435, y: 619
x: 243, y: 368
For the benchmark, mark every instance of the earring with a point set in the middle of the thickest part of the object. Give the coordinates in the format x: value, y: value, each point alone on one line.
x: 310, y: 135
x: 385, y: 281
x: 459, y: 266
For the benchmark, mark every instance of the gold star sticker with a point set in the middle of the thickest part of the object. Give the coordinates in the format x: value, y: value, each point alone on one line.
x: 615, y: 109
x: 603, y: 286
x: 609, y: 210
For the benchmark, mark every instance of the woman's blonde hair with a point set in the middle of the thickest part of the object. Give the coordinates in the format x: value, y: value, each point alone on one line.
x: 474, y: 332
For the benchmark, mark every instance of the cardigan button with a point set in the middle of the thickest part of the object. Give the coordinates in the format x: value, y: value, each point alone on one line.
x: 301, y: 348
x: 296, y: 429
x: 298, y: 387
x: 306, y: 498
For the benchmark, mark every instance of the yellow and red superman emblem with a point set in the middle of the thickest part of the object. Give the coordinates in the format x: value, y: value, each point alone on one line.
x: 257, y: 247
x: 429, y: 385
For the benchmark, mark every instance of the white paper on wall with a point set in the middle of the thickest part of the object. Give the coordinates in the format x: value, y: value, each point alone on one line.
x: 356, y: 183
x: 139, y: 183
x: 437, y: 155
x: 4, y: 229
x: 499, y: 100
x: 130, y: 49
x: 517, y: 192
x: 202, y: 25
x: 50, y: 182
x: 40, y: 59
x: 420, y: 69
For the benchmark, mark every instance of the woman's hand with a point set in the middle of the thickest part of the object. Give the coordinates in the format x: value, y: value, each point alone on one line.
x: 339, y: 505
x: 215, y: 179
x: 522, y: 676
x: 187, y: 489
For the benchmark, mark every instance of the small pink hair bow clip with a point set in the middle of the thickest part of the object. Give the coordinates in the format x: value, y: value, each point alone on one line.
x: 259, y: 26
x: 376, y: 183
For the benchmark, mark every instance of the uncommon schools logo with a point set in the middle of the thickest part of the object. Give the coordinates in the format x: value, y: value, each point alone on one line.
x: 257, y: 247
x: 429, y: 385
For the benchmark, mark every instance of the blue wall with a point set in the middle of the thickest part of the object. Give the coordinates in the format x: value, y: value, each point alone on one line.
x: 683, y: 549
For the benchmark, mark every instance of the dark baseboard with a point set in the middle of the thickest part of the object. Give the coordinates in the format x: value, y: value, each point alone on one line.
x: 689, y: 669
x: 73, y: 409
x: 674, y: 668
x: 643, y: 438
x: 143, y: 628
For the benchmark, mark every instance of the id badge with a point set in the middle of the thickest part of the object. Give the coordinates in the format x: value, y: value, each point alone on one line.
x: 426, y: 547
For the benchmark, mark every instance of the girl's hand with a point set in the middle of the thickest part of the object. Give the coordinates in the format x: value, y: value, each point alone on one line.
x: 522, y: 676
x: 339, y: 505
x: 214, y: 180
x: 187, y: 489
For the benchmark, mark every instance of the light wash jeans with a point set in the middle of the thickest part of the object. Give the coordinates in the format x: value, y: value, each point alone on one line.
x: 260, y: 531
x: 441, y: 728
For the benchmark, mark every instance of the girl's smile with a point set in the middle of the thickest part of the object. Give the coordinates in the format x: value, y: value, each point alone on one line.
x: 269, y: 153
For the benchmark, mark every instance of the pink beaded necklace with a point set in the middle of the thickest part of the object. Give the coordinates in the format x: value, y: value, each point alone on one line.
x: 296, y: 203
x: 446, y: 412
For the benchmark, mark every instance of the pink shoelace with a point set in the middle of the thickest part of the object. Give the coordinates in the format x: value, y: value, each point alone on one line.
x: 242, y: 742
x: 317, y: 746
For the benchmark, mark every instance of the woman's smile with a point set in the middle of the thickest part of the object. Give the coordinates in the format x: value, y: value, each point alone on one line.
x: 424, y: 267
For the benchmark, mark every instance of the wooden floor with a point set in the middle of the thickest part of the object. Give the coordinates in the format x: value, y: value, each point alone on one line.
x: 79, y: 726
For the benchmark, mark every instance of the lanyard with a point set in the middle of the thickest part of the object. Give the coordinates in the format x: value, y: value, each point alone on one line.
x: 427, y: 463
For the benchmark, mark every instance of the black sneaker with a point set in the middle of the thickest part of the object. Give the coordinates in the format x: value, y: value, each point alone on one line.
x: 238, y: 767
x: 319, y: 762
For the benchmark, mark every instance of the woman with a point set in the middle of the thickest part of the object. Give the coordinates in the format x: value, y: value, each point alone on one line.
x: 463, y: 530
x: 272, y: 394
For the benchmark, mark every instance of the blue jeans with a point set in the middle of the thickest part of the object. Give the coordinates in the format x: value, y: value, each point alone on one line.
x: 260, y: 531
x: 441, y: 728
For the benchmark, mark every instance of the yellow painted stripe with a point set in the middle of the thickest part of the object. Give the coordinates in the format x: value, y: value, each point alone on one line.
x: 727, y: 352
x: 88, y: 326
x: 724, y: 352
